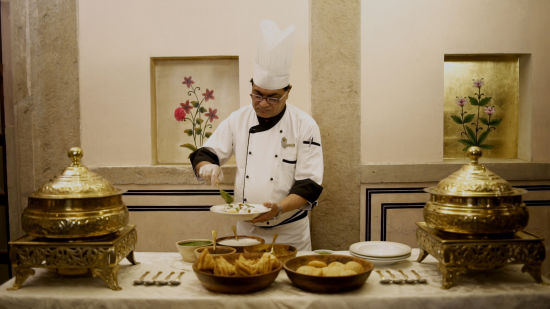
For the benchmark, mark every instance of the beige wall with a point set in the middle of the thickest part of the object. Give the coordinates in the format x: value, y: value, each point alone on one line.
x: 117, y: 39
x: 403, y: 45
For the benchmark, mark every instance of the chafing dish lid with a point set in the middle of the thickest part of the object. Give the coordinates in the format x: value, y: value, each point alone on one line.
x: 474, y: 180
x: 76, y: 181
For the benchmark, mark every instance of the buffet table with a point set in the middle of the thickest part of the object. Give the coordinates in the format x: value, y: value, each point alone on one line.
x: 506, y: 287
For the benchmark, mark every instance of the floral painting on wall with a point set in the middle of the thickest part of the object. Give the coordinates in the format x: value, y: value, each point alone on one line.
x: 481, y: 104
x: 191, y: 96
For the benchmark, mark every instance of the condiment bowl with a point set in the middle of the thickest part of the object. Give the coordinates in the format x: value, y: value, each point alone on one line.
x: 187, y: 248
x: 241, y: 242
x: 220, y: 250
x: 282, y: 251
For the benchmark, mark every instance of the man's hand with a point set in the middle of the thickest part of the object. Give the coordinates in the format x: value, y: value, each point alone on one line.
x: 275, y: 211
x: 211, y: 172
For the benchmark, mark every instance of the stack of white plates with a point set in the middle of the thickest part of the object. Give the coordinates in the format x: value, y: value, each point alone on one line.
x: 380, y: 252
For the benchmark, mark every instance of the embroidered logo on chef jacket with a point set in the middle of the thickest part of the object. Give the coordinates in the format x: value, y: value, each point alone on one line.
x: 284, y: 143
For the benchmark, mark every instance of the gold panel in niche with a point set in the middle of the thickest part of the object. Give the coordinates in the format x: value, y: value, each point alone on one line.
x: 500, y: 75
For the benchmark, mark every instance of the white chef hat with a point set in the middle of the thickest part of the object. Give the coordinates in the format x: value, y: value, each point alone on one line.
x: 274, y: 56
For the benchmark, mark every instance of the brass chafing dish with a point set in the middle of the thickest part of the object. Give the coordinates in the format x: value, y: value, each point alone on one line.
x: 474, y: 200
x: 76, y: 204
x: 474, y: 221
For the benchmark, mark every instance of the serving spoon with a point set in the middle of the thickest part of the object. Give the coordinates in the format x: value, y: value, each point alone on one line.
x: 153, y: 280
x: 214, y: 237
x: 407, y: 280
x: 383, y: 279
x: 140, y: 280
x: 394, y: 279
x: 165, y: 281
x: 420, y: 279
x: 234, y: 228
x: 177, y: 281
x: 273, y: 243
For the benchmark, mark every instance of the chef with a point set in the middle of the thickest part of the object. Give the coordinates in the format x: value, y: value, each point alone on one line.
x: 277, y: 148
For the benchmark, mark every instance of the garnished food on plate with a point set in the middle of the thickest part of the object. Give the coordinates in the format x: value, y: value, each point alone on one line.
x: 240, y: 208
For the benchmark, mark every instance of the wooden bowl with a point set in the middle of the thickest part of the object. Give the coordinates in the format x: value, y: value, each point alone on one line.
x: 239, y: 248
x: 220, y: 250
x: 282, y: 251
x: 233, y: 284
x: 320, y: 284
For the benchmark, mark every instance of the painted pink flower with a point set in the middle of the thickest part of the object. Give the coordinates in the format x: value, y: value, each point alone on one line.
x: 460, y: 101
x: 489, y: 110
x: 187, y: 107
x: 209, y: 94
x: 188, y: 81
x: 212, y: 114
x: 179, y: 114
x: 478, y: 83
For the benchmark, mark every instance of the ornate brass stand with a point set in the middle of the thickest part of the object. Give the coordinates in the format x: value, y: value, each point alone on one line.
x: 100, y: 255
x: 458, y: 253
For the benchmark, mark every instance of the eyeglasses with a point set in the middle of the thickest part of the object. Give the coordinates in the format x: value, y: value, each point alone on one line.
x: 271, y: 100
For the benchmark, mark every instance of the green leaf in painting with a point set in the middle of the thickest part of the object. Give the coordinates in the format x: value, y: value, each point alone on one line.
x: 483, y: 136
x: 199, y: 121
x: 189, y: 146
x: 484, y: 101
x: 208, y: 134
x: 471, y: 135
x: 456, y: 119
x: 195, y: 103
x: 486, y: 146
x: 198, y: 130
x: 473, y: 101
x: 189, y: 132
x: 466, y: 142
x: 495, y: 122
x: 484, y: 120
x: 468, y: 118
x: 202, y: 109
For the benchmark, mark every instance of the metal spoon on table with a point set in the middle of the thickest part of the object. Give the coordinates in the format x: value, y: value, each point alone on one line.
x: 407, y: 280
x: 140, y: 280
x: 165, y: 281
x: 393, y: 278
x: 383, y: 279
x: 420, y: 279
x: 177, y: 281
x: 153, y: 280
x: 273, y: 243
x: 234, y: 228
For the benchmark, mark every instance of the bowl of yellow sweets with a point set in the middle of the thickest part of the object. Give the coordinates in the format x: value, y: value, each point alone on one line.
x: 328, y: 273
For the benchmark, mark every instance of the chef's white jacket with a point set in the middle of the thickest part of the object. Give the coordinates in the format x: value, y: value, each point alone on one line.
x: 270, y: 162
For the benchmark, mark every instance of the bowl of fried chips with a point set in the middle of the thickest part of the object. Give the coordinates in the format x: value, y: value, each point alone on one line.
x: 283, y: 252
x: 237, y: 273
x: 328, y: 273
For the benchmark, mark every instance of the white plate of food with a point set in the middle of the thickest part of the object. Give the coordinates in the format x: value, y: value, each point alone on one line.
x: 242, y: 210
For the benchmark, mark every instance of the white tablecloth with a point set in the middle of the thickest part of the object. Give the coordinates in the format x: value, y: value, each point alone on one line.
x: 506, y: 287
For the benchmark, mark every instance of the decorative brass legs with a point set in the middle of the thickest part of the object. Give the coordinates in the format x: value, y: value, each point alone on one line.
x: 99, y: 256
x: 458, y: 253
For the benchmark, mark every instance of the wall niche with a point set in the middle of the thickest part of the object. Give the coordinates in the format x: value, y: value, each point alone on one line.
x: 190, y: 96
x: 482, y: 105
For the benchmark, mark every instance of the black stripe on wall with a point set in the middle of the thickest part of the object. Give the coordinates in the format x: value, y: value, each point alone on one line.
x: 169, y: 208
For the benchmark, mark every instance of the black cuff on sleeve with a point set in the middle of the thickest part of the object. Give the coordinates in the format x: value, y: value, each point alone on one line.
x: 203, y: 154
x: 307, y: 189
